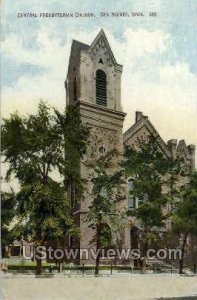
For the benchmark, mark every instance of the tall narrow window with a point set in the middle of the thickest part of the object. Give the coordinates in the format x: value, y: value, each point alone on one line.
x: 101, y: 88
x: 131, y: 199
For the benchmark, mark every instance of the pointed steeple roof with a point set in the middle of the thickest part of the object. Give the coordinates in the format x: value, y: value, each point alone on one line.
x: 101, y: 41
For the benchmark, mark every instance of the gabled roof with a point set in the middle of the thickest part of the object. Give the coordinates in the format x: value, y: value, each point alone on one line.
x: 143, y: 121
x: 101, y: 40
x: 76, y: 48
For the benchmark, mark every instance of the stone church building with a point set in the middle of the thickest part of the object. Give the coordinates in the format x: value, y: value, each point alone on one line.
x: 94, y: 84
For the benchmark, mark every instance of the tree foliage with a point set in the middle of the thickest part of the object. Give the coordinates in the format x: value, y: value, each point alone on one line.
x: 41, y: 151
x: 184, y: 216
x: 107, y: 187
x: 145, y: 167
x: 74, y: 137
x: 8, y: 206
x: 150, y: 172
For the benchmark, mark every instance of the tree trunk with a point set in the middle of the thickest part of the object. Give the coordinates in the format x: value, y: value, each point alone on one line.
x: 97, y: 264
x: 3, y: 251
x: 38, y: 270
x: 181, y: 261
x: 98, y: 245
x: 38, y: 266
x: 181, y: 265
x: 144, y: 264
x: 144, y: 252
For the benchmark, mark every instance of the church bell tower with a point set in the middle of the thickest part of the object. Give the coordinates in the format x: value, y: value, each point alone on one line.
x: 94, y: 84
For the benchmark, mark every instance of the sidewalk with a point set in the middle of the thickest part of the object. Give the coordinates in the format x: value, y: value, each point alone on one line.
x: 101, y: 288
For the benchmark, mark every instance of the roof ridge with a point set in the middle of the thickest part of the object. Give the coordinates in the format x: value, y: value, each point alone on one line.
x: 78, y: 42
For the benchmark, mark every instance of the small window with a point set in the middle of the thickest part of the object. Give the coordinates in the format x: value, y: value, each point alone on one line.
x: 131, y: 198
x: 101, y: 88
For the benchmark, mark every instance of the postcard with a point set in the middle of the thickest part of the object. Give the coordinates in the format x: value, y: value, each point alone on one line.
x: 98, y: 135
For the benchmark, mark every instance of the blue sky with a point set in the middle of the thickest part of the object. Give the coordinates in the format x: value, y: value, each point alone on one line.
x: 158, y: 56
x: 174, y: 16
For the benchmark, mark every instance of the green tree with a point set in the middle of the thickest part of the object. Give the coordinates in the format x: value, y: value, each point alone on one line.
x: 35, y: 148
x: 8, y: 206
x: 184, y: 216
x: 146, y: 168
x: 106, y: 192
x: 74, y: 139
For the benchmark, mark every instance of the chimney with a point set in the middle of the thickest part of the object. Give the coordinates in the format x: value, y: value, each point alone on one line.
x: 172, y: 147
x: 138, y: 116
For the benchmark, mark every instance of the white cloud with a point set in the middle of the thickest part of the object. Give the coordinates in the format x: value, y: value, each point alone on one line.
x: 138, y: 43
x: 167, y: 93
x: 51, y: 55
x: 170, y: 101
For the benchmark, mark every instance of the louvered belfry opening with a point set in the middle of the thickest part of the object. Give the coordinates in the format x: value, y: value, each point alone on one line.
x: 101, y: 88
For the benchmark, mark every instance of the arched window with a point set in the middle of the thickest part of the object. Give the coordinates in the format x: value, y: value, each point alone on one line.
x: 134, y: 202
x: 101, y: 88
